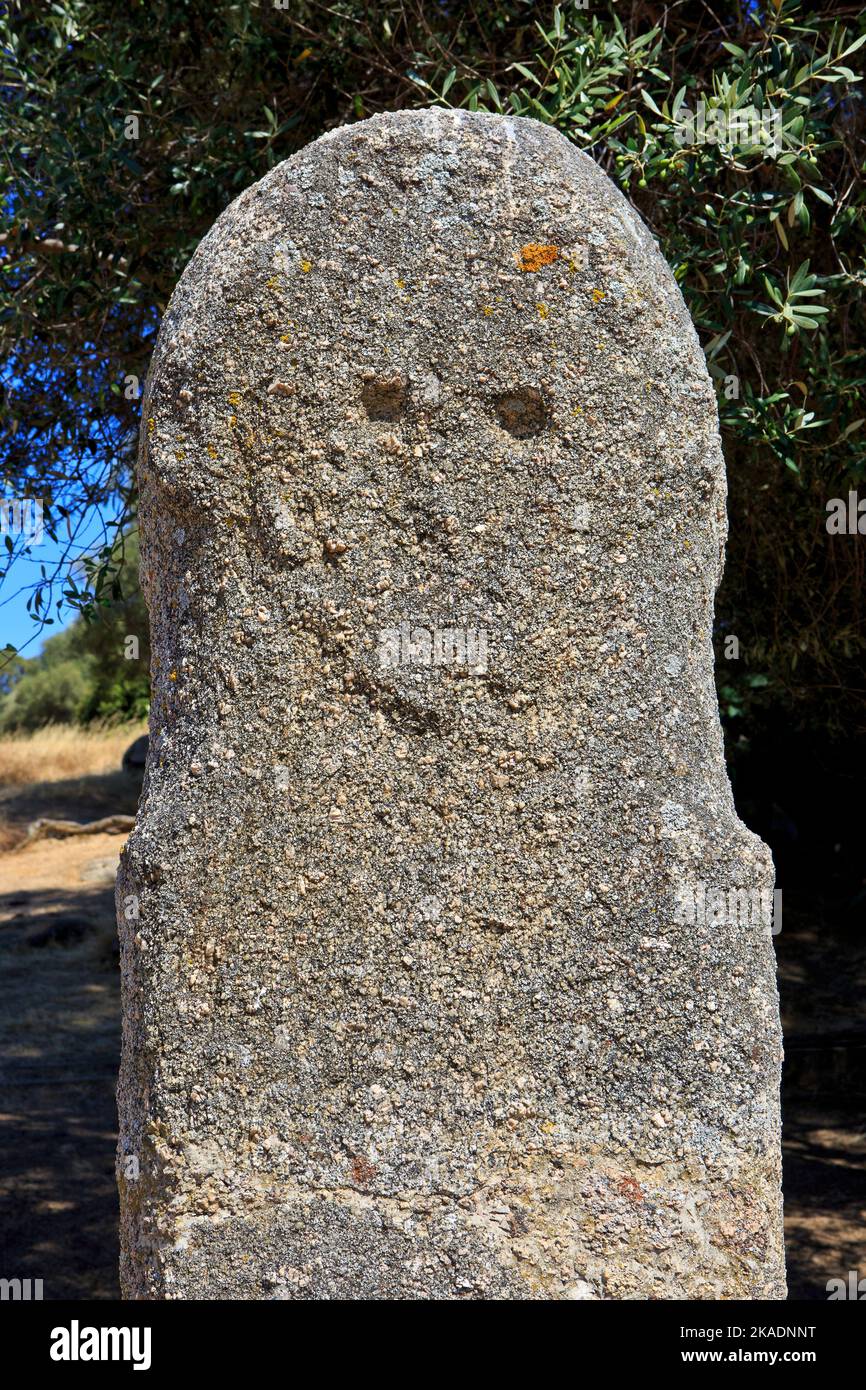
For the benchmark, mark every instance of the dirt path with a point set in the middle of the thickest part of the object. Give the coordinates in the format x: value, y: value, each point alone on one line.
x: 59, y: 1043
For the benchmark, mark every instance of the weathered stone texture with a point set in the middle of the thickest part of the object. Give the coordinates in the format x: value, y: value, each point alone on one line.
x: 408, y: 1010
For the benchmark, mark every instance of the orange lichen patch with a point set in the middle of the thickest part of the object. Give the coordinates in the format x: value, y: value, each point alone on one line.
x: 362, y: 1170
x: 533, y: 256
x: 631, y: 1188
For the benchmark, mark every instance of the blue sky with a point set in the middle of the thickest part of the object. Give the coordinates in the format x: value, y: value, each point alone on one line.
x: 16, y: 624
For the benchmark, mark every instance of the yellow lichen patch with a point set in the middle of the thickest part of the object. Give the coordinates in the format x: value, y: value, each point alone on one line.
x: 172, y: 675
x: 234, y: 398
x: 533, y: 256
x: 543, y: 310
x: 487, y: 310
x: 273, y: 283
x: 151, y: 425
x: 233, y: 419
x: 179, y: 455
x: 597, y: 296
x: 285, y: 337
x: 306, y: 266
x: 211, y: 448
x: 401, y: 284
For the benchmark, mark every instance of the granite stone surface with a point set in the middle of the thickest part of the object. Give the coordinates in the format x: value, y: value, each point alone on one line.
x: 432, y: 517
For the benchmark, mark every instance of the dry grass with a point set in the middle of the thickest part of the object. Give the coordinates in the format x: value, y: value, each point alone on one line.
x: 63, y: 751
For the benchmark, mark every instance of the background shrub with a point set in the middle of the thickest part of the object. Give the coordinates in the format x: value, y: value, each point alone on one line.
x: 102, y: 215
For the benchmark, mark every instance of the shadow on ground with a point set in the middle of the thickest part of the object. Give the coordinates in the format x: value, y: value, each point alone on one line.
x: 825, y: 1220
x: 77, y: 798
x: 59, y: 1040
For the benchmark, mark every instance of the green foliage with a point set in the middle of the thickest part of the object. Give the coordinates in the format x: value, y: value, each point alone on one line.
x: 788, y: 311
x: 767, y: 244
x: 84, y: 673
x: 49, y: 694
x: 755, y: 235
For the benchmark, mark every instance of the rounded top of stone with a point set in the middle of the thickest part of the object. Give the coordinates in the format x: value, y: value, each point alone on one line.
x: 433, y: 124
x: 431, y: 279
x: 481, y: 145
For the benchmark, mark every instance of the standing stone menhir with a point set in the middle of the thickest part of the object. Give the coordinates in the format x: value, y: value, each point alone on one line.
x: 432, y: 512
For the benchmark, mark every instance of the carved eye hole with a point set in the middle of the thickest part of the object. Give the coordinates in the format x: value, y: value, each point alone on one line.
x: 522, y: 412
x: 384, y: 398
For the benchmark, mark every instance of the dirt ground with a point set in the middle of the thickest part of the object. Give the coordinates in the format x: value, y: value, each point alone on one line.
x: 821, y: 955
x: 60, y: 1033
x: 59, y: 1040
